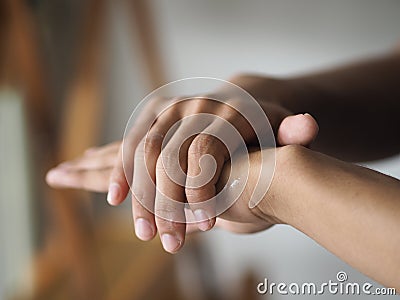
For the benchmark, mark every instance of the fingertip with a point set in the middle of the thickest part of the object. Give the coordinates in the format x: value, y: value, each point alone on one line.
x: 171, y: 243
x: 53, y: 176
x: 114, y: 194
x: 49, y: 177
x: 144, y: 230
x: 205, y: 223
x: 300, y: 129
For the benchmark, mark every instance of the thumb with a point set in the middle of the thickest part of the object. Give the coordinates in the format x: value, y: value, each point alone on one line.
x: 301, y: 129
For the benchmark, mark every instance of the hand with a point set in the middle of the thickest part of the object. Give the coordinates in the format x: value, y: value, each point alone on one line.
x: 340, y: 205
x: 299, y: 129
x: 92, y: 170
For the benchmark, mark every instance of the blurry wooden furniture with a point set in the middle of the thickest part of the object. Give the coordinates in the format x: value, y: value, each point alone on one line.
x: 144, y: 22
x: 74, y: 260
x: 81, y: 257
x: 24, y: 69
x: 130, y: 269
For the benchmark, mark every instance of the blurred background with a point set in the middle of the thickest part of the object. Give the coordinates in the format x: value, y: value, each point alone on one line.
x: 71, y: 72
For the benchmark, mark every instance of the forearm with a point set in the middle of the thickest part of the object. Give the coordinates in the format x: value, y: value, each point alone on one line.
x: 356, y: 106
x: 352, y: 211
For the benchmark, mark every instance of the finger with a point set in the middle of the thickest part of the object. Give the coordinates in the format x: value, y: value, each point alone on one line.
x: 145, y: 228
x: 143, y: 193
x: 121, y: 175
x: 192, y: 228
x: 100, y: 150
x: 171, y: 179
x: 144, y: 176
x: 90, y: 180
x: 169, y: 218
x: 118, y: 187
x: 299, y: 129
x: 94, y: 161
x: 119, y: 183
x: 206, y: 157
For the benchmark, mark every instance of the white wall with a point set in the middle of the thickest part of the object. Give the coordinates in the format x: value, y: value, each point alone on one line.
x: 16, y: 240
x: 218, y: 38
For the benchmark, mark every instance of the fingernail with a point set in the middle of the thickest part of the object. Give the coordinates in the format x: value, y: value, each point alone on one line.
x: 170, y: 242
x: 143, y: 229
x: 113, y: 193
x: 203, y: 219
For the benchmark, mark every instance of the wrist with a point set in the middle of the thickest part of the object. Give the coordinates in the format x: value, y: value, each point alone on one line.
x: 281, y: 202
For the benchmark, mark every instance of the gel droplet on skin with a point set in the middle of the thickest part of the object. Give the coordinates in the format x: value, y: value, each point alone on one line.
x: 234, y: 183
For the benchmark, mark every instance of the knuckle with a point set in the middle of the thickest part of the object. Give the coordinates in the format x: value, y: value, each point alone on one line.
x: 195, y: 195
x: 201, y: 144
x: 152, y: 142
x: 200, y: 194
x: 168, y: 160
x: 191, y: 193
x: 168, y: 110
x: 137, y: 192
x: 167, y: 211
x: 164, y: 208
x: 199, y: 103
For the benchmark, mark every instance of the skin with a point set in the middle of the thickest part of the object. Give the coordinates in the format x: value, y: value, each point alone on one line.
x: 92, y: 172
x: 350, y: 210
x: 355, y: 106
x: 149, y: 144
